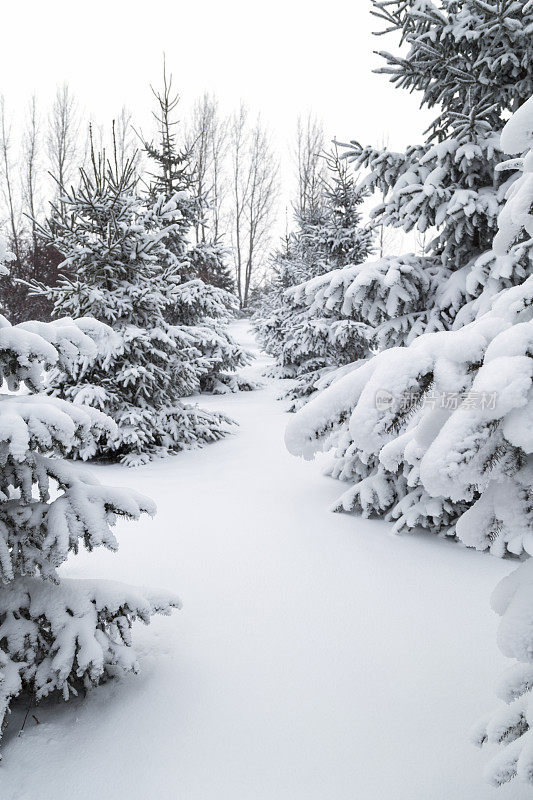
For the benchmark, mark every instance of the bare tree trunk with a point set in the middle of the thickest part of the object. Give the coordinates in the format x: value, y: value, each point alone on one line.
x: 207, y: 141
x: 5, y: 148
x: 219, y: 147
x: 310, y: 166
x: 239, y: 192
x: 62, y: 139
x: 254, y: 193
x: 125, y: 140
x: 30, y: 173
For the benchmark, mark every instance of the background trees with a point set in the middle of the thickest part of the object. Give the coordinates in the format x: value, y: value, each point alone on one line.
x: 310, y: 165
x: 27, y: 185
x: 207, y: 141
x: 228, y: 168
x: 63, y: 141
x: 254, y: 189
x: 297, y: 323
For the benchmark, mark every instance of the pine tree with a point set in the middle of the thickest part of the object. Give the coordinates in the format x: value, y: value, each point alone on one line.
x: 112, y: 241
x: 171, y: 180
x: 471, y: 61
x: 57, y: 635
x: 201, y: 312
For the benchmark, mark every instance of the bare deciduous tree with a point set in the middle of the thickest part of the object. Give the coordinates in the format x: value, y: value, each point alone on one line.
x: 31, y: 192
x: 63, y: 138
x: 389, y: 241
x: 207, y: 142
x: 8, y: 189
x: 254, y: 190
x: 125, y: 140
x: 311, y: 167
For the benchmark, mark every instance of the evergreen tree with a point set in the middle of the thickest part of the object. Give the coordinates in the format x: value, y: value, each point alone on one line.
x: 205, y: 319
x: 57, y: 635
x: 208, y: 263
x: 375, y: 414
x: 112, y: 241
x: 309, y: 340
x: 472, y: 62
x: 201, y: 312
x: 171, y: 181
x: 504, y: 511
x: 438, y: 434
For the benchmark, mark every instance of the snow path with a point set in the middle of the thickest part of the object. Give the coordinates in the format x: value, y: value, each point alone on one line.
x: 316, y: 657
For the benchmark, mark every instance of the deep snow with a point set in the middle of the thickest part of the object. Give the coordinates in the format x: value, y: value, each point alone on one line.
x: 317, y: 657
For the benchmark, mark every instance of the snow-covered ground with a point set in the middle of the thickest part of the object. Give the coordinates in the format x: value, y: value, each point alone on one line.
x: 316, y: 657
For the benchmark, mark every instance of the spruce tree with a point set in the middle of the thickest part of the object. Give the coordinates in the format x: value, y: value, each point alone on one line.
x: 112, y: 240
x: 438, y: 434
x: 208, y: 263
x: 57, y: 635
x: 307, y: 339
x: 504, y: 511
x: 472, y: 62
x: 184, y: 264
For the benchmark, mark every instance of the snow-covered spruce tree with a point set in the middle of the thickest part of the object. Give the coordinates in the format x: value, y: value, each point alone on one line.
x: 446, y: 185
x: 505, y: 508
x: 208, y: 263
x: 307, y: 339
x: 202, y: 312
x: 201, y: 309
x: 383, y: 299
x: 112, y: 243
x: 296, y: 260
x: 58, y: 635
x: 472, y: 62
x: 285, y: 271
x: 438, y: 434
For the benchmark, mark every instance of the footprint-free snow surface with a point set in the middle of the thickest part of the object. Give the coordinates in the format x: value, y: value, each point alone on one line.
x: 317, y: 656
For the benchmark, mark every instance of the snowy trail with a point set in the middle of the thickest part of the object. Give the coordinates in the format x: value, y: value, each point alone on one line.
x: 316, y: 657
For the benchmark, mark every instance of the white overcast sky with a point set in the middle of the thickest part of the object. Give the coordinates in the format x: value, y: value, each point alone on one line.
x: 281, y: 58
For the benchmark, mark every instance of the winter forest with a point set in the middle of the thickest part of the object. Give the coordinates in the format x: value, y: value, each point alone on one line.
x: 266, y: 344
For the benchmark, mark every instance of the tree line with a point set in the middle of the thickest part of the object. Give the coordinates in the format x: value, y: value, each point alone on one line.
x: 229, y: 164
